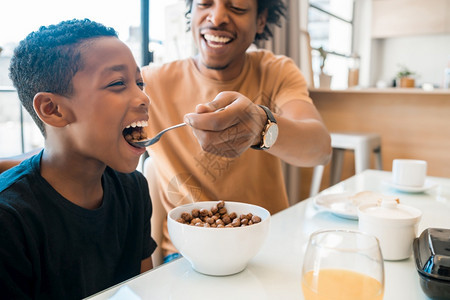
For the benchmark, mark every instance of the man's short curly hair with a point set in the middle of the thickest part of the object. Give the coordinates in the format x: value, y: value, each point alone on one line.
x: 276, y: 9
x: 47, y: 59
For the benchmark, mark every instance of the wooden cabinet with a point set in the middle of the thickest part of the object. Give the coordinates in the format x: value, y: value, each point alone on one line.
x: 394, y: 18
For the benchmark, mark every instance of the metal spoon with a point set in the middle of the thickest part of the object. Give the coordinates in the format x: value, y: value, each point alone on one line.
x: 149, y: 142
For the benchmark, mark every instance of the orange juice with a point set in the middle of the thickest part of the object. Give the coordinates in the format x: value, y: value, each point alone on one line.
x: 333, y: 284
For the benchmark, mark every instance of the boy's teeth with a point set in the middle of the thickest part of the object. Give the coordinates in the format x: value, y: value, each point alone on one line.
x: 138, y: 124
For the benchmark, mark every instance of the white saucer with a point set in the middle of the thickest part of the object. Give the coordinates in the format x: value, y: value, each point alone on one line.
x: 412, y: 189
x: 338, y: 204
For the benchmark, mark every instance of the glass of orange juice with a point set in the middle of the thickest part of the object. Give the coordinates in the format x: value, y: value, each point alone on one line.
x: 343, y: 265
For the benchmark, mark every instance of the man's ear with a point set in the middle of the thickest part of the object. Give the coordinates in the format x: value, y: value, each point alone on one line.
x: 52, y: 109
x: 261, y: 21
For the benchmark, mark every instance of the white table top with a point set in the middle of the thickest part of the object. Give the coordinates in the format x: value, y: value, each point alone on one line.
x: 275, y: 272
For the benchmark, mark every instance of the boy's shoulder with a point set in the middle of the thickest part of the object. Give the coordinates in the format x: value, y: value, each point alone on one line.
x: 19, y: 173
x: 17, y: 188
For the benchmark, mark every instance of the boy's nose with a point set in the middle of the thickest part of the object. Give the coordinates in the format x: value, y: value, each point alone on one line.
x: 142, y: 99
x: 218, y: 15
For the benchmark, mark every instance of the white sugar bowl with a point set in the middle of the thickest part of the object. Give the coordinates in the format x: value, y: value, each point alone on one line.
x: 395, y: 225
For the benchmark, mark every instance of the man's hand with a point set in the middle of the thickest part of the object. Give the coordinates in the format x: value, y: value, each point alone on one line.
x: 231, y: 131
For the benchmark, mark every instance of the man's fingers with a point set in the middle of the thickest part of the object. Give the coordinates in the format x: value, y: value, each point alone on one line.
x: 204, y: 108
x: 211, y: 121
x: 222, y: 100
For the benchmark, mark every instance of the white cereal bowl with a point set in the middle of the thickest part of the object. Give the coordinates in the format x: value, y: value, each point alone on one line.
x: 218, y: 251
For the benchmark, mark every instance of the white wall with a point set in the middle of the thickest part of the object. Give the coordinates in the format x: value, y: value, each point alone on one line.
x: 426, y: 55
x: 362, y: 41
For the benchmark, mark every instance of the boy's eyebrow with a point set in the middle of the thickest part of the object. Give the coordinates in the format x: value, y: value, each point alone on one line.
x: 115, y: 68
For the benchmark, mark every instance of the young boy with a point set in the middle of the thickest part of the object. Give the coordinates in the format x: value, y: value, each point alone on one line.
x: 75, y: 218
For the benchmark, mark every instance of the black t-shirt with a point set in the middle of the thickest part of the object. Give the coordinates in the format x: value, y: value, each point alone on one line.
x: 51, y: 248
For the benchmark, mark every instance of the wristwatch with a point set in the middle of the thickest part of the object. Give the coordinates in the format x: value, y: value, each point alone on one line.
x: 270, y: 132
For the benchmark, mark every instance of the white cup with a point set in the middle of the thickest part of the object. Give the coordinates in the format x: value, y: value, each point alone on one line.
x: 409, y: 172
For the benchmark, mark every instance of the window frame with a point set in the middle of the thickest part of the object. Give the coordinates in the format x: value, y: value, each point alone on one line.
x: 331, y: 15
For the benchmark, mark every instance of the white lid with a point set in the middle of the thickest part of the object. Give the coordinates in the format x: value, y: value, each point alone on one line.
x: 390, y: 211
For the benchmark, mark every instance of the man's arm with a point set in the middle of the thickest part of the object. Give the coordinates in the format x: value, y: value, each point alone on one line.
x: 303, y: 139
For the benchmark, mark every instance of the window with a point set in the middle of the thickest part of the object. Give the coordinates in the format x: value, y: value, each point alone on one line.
x: 330, y: 25
x: 169, y: 39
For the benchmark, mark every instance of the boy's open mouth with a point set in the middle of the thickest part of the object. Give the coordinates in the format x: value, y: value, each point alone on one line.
x: 135, y: 131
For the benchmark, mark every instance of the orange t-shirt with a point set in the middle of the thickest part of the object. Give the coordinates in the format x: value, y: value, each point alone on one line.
x: 186, y: 173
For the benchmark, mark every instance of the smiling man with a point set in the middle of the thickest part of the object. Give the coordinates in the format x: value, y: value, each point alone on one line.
x: 233, y: 154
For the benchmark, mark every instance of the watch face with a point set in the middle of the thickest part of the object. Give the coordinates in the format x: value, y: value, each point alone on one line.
x: 271, y: 135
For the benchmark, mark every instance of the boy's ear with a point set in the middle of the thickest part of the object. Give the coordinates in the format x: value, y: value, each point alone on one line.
x: 52, y: 109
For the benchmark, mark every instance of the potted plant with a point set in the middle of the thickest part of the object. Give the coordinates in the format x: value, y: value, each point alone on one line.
x: 324, y: 78
x: 404, y: 78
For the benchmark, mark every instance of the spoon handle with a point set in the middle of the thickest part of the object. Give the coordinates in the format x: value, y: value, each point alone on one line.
x: 149, y: 142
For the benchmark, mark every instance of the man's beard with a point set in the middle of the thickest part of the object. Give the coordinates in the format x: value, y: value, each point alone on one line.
x: 218, y: 68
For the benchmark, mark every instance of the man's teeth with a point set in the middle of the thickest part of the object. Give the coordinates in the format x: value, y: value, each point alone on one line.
x: 138, y: 124
x: 216, y: 39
